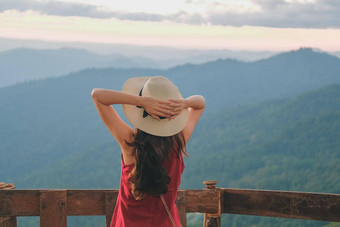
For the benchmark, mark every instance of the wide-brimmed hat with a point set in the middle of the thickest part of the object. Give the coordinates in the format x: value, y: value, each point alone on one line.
x: 158, y: 87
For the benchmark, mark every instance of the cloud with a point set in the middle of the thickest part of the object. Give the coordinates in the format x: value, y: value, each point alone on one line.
x: 278, y: 13
x: 58, y: 8
x: 267, y: 13
x: 282, y: 14
x: 270, y: 4
x: 50, y: 7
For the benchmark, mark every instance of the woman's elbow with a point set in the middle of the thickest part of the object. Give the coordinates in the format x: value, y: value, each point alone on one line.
x: 202, y: 102
x: 94, y: 93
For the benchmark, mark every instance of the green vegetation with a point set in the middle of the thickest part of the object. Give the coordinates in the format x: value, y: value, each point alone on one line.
x: 285, y: 145
x: 52, y: 137
x: 281, y: 145
x: 295, y: 140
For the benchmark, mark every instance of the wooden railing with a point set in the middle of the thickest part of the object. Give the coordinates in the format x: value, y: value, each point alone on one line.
x: 8, y: 221
x: 53, y: 206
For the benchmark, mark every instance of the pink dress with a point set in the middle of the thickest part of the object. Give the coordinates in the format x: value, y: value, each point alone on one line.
x: 150, y: 211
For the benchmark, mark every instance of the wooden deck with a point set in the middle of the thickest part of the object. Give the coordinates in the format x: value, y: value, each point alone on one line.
x: 53, y: 206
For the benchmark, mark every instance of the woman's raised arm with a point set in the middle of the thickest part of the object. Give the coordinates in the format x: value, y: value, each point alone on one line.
x: 104, y: 98
x: 195, y: 105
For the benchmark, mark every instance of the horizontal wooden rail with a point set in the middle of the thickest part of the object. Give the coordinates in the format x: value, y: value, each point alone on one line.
x: 301, y: 205
x: 53, y: 206
x: 93, y: 202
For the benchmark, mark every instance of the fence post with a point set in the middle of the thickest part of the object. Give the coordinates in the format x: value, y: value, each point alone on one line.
x: 180, y: 203
x: 53, y: 208
x: 110, y: 203
x: 212, y: 220
x: 7, y: 221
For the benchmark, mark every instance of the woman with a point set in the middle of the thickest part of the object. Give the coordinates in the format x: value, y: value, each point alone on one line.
x: 152, y: 161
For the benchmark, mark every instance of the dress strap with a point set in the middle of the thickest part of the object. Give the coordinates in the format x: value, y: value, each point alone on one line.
x: 167, y: 210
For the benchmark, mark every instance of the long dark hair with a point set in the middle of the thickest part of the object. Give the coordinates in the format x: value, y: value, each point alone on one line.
x: 149, y: 177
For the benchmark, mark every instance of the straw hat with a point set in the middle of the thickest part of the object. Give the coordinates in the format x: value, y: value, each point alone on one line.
x: 158, y: 87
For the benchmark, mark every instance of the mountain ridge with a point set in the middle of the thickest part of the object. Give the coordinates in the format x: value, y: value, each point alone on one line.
x: 23, y: 64
x: 264, y: 127
x: 223, y: 85
x: 257, y: 128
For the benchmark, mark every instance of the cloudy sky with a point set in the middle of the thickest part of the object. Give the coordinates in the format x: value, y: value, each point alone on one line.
x: 203, y: 24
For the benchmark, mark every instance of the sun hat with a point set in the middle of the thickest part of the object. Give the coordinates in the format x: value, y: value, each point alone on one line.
x: 158, y: 87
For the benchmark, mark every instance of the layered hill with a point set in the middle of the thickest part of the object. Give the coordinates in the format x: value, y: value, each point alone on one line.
x: 47, y: 120
x: 270, y: 124
x: 291, y: 144
x: 25, y: 64
x: 228, y: 82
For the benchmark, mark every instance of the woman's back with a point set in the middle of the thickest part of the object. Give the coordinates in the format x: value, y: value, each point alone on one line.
x: 149, y: 211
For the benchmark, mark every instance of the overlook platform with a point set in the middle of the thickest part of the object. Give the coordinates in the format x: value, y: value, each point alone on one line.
x: 53, y: 206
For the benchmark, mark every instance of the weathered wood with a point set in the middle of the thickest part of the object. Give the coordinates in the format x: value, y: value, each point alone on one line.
x: 86, y: 202
x: 313, y: 206
x: 110, y: 203
x: 53, y: 208
x: 19, y: 203
x: 180, y: 203
x: 5, y: 186
x: 210, y: 184
x: 9, y: 186
x: 203, y: 201
x: 213, y: 219
x: 10, y: 221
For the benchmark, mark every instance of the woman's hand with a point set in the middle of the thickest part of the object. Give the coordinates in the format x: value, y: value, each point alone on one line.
x: 157, y: 108
x: 177, y: 106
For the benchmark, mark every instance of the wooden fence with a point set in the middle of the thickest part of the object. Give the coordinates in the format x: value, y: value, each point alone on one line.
x: 53, y: 206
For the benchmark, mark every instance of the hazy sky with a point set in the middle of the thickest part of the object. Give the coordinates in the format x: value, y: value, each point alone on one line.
x: 203, y: 24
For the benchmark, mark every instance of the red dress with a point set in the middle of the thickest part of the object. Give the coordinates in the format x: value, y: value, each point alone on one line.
x: 150, y: 211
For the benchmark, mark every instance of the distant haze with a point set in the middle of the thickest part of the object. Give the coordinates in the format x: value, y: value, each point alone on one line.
x: 152, y: 52
x: 46, y: 59
x: 24, y: 60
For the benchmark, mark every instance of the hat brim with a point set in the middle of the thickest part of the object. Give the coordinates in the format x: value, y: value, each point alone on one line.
x: 133, y: 114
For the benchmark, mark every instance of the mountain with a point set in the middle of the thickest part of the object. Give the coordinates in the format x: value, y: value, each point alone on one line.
x: 46, y: 120
x: 51, y: 118
x: 270, y: 124
x: 287, y: 138
x: 18, y: 65
x: 336, y: 53
x: 289, y: 144
x: 283, y: 145
x: 297, y: 133
x: 157, y: 53
x: 24, y: 64
x: 229, y: 82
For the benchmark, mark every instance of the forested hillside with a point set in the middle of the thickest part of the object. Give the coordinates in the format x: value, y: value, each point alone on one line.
x: 291, y: 144
x: 288, y: 145
x: 271, y: 124
x: 296, y: 140
x: 47, y: 120
x: 24, y: 64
